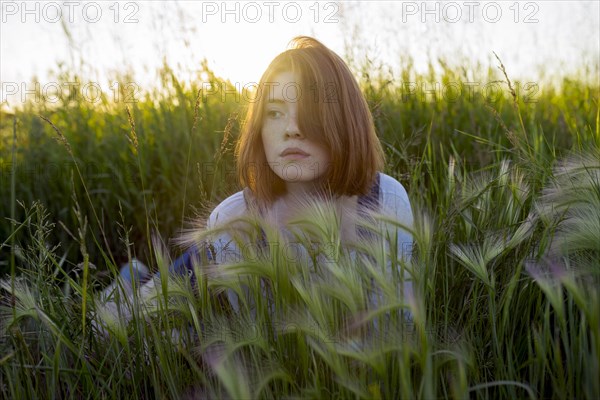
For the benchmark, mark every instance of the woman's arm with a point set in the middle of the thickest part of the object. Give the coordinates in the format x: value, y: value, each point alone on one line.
x: 395, y: 204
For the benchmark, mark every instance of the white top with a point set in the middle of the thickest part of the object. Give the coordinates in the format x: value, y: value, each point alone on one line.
x: 393, y: 203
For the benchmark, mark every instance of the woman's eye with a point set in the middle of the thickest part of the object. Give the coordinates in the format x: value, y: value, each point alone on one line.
x: 274, y: 114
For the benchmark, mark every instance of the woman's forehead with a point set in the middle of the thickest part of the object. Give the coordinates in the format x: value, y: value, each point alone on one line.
x: 283, y: 86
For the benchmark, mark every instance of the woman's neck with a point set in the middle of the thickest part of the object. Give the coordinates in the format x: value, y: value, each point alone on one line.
x: 295, y: 191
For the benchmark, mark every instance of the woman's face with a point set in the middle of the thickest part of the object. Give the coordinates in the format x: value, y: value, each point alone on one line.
x: 300, y: 162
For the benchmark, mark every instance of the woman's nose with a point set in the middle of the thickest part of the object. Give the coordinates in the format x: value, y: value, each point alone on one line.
x: 292, y: 130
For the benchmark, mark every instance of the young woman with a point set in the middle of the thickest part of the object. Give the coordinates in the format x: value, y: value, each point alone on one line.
x: 309, y: 137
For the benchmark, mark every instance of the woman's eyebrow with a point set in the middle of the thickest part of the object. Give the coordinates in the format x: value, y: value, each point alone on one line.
x: 276, y: 100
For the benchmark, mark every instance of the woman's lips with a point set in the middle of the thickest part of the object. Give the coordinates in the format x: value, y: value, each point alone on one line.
x: 293, y: 153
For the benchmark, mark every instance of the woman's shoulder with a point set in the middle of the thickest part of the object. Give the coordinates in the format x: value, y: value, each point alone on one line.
x: 390, y: 186
x: 232, y: 207
x: 393, y: 196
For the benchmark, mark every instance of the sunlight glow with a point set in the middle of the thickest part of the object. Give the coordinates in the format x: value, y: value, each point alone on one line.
x: 537, y: 40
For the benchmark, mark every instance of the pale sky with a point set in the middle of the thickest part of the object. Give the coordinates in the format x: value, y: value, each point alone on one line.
x: 240, y: 38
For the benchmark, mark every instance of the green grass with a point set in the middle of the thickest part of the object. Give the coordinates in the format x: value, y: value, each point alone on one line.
x: 505, y: 265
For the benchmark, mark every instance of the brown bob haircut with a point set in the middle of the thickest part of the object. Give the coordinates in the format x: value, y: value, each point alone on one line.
x: 331, y: 110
